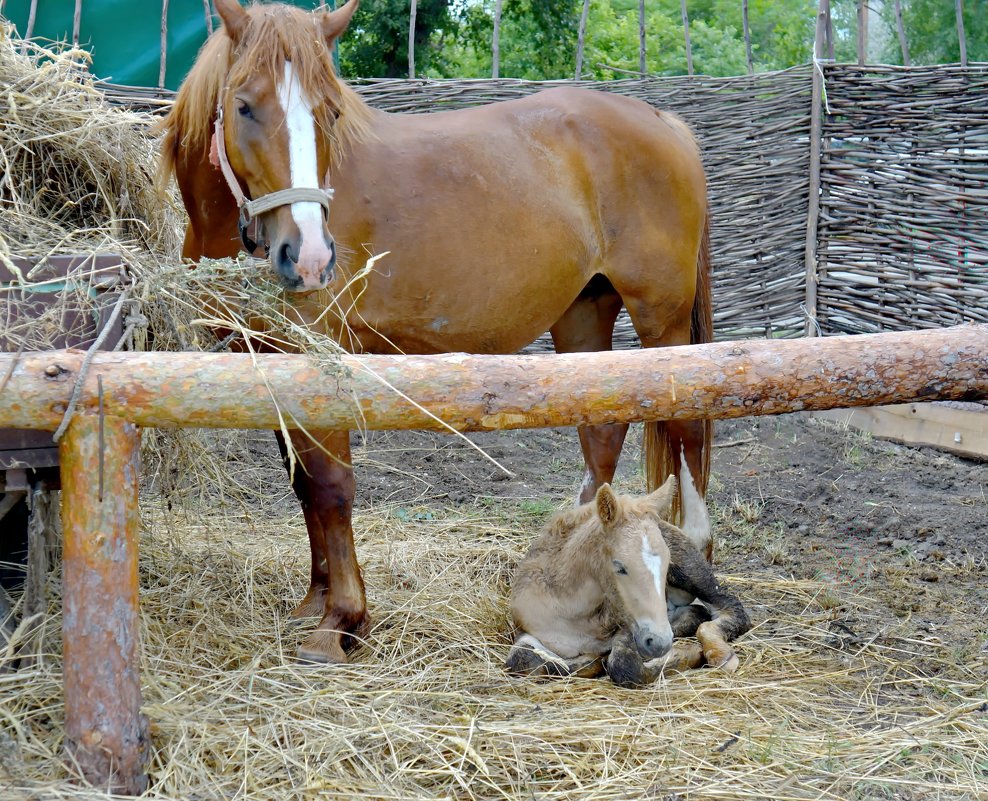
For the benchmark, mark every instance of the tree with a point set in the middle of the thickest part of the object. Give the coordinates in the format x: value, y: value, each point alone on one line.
x: 931, y: 30
x: 376, y: 46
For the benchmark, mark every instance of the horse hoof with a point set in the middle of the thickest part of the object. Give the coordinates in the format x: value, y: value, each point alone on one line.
x: 730, y: 664
x: 313, y: 605
x: 322, y: 648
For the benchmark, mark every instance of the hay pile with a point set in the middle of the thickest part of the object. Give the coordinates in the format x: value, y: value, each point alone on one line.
x: 426, y: 712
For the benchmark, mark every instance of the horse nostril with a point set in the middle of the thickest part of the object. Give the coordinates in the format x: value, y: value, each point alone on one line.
x: 285, y: 256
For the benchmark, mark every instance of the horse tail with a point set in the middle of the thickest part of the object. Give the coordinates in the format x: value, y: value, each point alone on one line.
x: 659, y: 451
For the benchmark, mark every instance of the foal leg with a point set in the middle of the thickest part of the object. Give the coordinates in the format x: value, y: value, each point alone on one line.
x: 626, y: 667
x: 587, y: 325
x: 529, y: 657
x: 691, y: 573
x: 325, y: 487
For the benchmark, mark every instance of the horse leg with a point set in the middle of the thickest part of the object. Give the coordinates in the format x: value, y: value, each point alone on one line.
x: 626, y: 667
x: 314, y: 602
x: 690, y: 573
x: 529, y: 657
x: 325, y: 487
x: 588, y: 325
x: 681, y: 447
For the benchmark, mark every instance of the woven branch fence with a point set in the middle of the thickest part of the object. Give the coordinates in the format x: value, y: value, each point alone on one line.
x: 901, y: 236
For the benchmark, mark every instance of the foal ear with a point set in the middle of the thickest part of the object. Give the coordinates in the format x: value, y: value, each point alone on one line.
x: 234, y: 17
x: 335, y: 22
x: 607, y: 505
x: 662, y: 499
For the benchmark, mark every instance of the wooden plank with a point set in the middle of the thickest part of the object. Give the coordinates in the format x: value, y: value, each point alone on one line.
x: 963, y: 431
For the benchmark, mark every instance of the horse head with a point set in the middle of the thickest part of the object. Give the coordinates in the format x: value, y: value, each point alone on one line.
x: 640, y: 562
x: 274, y: 131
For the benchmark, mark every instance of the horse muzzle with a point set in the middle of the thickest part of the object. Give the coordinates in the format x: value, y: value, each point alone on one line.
x: 652, y: 640
x: 304, y: 265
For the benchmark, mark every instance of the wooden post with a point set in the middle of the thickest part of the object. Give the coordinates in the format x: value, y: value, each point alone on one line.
x: 961, y: 36
x: 642, y: 65
x: 901, y: 28
x: 31, y: 17
x: 496, y: 43
x: 163, y: 58
x: 580, y: 38
x: 829, y: 29
x: 76, y: 23
x: 106, y: 737
x: 816, y: 145
x: 686, y: 34
x: 747, y: 37
x: 862, y: 32
x: 411, y: 38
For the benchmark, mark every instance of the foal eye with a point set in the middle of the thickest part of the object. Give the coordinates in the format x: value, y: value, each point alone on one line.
x: 619, y: 568
x: 244, y: 111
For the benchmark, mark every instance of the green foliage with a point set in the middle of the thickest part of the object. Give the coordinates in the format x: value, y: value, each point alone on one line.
x: 538, y: 37
x: 931, y: 31
x: 377, y: 43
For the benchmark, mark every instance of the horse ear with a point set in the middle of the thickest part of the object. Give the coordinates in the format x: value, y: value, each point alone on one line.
x: 234, y: 17
x: 608, y: 509
x: 335, y: 22
x: 662, y: 499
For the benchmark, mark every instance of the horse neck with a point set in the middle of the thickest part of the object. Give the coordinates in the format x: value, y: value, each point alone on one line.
x: 582, y: 560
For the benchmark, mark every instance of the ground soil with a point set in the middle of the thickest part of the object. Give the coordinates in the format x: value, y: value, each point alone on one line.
x: 790, y: 496
x: 819, y: 484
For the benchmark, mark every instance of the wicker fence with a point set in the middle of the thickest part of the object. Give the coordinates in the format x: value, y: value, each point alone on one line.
x: 900, y: 240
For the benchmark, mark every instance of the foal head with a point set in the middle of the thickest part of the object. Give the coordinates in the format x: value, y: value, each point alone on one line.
x: 639, y: 561
x: 278, y: 110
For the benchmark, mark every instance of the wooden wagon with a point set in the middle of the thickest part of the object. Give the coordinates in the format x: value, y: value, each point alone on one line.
x: 32, y: 288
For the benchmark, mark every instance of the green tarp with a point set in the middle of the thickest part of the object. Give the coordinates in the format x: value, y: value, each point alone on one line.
x: 124, y: 36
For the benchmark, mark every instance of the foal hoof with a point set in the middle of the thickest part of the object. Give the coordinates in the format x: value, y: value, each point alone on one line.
x: 728, y: 662
x: 322, y: 648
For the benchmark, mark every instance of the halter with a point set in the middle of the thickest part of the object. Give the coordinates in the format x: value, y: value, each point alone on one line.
x: 250, y: 209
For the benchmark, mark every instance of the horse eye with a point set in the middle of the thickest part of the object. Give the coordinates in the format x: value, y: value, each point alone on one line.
x: 619, y: 568
x: 244, y: 111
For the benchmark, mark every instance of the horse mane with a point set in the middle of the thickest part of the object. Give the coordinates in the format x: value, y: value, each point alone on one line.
x: 274, y: 34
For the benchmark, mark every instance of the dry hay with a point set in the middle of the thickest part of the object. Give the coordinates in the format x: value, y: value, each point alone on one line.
x: 426, y: 711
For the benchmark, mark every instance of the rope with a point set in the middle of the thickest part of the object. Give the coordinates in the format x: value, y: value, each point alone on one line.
x: 84, y: 369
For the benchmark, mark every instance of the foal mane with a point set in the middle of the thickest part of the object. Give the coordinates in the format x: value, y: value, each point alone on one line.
x: 275, y: 33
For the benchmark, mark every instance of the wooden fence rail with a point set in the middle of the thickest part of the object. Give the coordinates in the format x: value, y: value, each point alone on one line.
x: 106, y: 736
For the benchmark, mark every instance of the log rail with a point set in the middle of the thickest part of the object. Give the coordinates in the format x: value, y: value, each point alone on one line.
x: 105, y: 732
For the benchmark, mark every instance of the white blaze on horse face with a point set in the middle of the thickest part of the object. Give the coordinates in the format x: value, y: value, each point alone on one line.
x: 654, y: 564
x: 301, y: 126
x: 696, y: 522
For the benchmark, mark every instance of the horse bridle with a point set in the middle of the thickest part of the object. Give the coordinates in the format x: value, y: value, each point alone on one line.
x: 250, y: 209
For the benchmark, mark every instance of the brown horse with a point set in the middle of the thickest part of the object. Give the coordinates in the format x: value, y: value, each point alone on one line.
x: 501, y: 222
x: 608, y: 585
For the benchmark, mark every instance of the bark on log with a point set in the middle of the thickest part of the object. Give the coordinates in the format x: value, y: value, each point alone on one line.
x: 725, y: 379
x: 106, y: 737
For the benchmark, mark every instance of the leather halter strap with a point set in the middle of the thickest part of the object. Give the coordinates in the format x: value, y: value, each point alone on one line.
x: 283, y: 197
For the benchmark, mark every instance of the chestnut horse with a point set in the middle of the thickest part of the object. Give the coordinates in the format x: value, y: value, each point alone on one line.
x: 500, y: 222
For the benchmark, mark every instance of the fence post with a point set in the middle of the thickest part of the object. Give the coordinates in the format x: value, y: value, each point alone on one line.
x: 747, y: 37
x: 961, y: 36
x: 816, y: 145
x: 106, y: 736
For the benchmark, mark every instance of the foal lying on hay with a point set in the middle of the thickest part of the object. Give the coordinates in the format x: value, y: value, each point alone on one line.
x: 607, y: 586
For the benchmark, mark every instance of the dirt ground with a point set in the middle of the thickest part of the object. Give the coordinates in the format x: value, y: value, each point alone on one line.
x: 790, y: 496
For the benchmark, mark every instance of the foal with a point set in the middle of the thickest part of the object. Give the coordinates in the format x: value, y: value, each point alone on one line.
x: 609, y: 584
